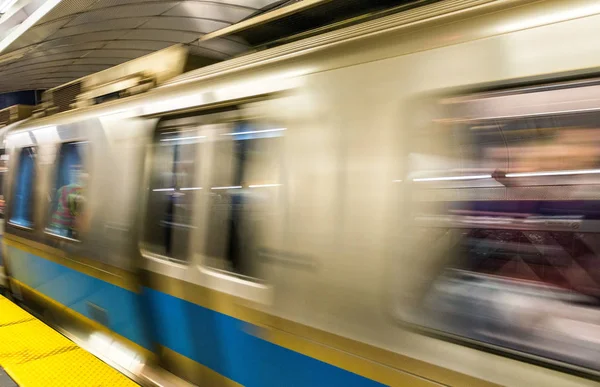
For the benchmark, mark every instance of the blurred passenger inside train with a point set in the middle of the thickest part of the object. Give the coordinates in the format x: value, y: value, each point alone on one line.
x: 556, y: 149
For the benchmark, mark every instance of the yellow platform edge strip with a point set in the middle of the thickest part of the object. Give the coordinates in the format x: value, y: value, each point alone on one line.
x: 33, y: 354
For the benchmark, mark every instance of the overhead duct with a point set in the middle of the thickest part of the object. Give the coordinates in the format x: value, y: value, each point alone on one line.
x: 15, y: 113
x: 292, y: 20
x: 130, y: 78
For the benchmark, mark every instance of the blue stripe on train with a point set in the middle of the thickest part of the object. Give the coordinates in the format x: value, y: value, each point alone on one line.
x: 215, y: 340
x: 75, y: 289
x: 225, y: 345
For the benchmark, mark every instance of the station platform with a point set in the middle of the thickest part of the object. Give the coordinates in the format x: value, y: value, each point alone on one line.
x: 32, y: 354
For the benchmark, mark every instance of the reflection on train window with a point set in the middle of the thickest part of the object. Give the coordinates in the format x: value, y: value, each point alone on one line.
x: 244, y: 182
x: 533, y: 291
x: 67, y: 215
x: 173, y: 187
x: 517, y: 199
x: 22, y: 209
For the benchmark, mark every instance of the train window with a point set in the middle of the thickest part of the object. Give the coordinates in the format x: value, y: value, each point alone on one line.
x: 517, y: 201
x: 173, y: 189
x: 67, y: 217
x: 245, y: 177
x: 22, y: 208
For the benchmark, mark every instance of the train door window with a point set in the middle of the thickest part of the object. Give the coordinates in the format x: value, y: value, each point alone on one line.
x: 519, y: 269
x: 22, y: 208
x: 67, y: 217
x: 245, y: 178
x: 173, y: 189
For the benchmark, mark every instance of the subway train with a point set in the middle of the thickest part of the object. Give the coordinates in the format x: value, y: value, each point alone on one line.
x: 414, y: 200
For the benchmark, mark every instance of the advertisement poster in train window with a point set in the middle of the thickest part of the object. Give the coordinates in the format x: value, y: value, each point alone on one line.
x: 517, y: 201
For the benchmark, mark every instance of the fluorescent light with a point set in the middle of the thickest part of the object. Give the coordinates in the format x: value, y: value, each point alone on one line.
x: 182, y: 138
x: 254, y: 131
x: 228, y: 187
x: 555, y: 173
x: 264, y: 185
x: 190, y: 188
x: 452, y: 178
x: 397, y: 181
x: 163, y: 189
x: 27, y: 23
x: 5, y: 5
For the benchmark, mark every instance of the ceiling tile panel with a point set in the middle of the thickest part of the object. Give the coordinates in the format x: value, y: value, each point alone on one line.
x: 112, y: 3
x: 86, y: 67
x: 161, y: 35
x: 106, y: 25
x: 107, y: 53
x: 41, y: 65
x: 122, y: 11
x: 45, y: 49
x: 96, y: 36
x: 31, y: 73
x: 55, y: 73
x: 51, y: 58
x: 69, y: 74
x: 61, y: 55
x: 254, y: 4
x: 201, y: 26
x: 99, y: 61
x: 67, y: 8
x: 57, y: 81
x: 50, y: 67
x: 37, y: 34
x: 138, y: 45
x: 206, y: 10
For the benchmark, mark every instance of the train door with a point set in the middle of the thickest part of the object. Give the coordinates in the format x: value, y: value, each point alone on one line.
x: 210, y: 180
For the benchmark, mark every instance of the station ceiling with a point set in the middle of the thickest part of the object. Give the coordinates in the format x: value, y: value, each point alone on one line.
x: 80, y: 37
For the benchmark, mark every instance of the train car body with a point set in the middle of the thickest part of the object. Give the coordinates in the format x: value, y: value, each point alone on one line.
x: 263, y: 221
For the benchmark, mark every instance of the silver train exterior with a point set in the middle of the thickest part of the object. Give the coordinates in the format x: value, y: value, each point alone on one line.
x: 334, y: 286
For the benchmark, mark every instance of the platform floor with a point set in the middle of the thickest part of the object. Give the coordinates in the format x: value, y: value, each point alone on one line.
x: 35, y: 355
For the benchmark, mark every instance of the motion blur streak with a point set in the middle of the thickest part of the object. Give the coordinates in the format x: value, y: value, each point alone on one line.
x: 409, y: 201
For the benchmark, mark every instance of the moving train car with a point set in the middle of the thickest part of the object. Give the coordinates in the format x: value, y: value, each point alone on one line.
x: 408, y: 201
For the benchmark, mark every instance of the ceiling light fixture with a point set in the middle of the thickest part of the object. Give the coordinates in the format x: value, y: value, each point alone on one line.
x: 27, y: 23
